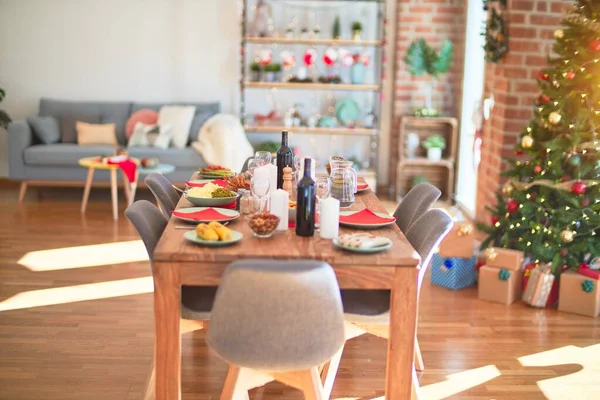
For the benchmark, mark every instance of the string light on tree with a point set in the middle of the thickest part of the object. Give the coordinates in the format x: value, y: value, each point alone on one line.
x: 526, y: 142
x: 559, y: 34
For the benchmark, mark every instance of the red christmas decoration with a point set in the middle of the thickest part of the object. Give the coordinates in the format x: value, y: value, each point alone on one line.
x: 578, y: 188
x: 309, y: 57
x: 585, y: 202
x: 495, y: 219
x: 543, y: 99
x: 519, y: 152
x: 570, y: 75
x: 542, y: 76
x: 584, y: 265
x: 537, y: 169
x: 595, y: 45
x: 512, y: 206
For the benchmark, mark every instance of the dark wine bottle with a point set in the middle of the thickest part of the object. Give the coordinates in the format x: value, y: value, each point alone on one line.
x: 306, y: 203
x: 285, y: 158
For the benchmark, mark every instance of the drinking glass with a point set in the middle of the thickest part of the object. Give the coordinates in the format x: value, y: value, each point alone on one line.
x: 265, y: 156
x: 254, y: 163
x: 323, y: 189
x: 260, y: 188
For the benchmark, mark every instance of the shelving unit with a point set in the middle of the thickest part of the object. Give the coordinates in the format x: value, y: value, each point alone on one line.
x: 439, y: 173
x: 374, y: 47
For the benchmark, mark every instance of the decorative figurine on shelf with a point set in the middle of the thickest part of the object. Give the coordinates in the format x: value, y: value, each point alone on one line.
x: 423, y: 59
x: 316, y: 31
x: 412, y: 144
x: 287, y: 180
x: 357, y: 71
x: 262, y: 25
x: 304, y: 34
x: 356, y: 31
x: 370, y: 120
x: 337, y: 28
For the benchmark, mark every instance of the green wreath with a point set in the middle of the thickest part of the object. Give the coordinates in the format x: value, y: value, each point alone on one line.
x: 496, y: 31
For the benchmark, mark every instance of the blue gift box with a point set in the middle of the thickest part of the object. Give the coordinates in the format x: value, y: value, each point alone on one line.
x: 452, y: 272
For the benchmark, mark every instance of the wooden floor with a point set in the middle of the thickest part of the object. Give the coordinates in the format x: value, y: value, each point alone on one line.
x: 76, y: 323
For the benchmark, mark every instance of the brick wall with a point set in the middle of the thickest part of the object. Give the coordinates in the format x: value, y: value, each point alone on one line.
x: 513, y: 83
x: 435, y: 21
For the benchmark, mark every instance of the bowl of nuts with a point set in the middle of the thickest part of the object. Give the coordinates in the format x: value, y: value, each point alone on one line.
x: 263, y: 224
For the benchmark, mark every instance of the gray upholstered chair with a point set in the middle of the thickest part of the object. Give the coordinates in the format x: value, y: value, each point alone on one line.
x: 282, y: 318
x: 416, y: 202
x: 245, y: 166
x: 162, y: 189
x: 196, y: 301
x: 369, y: 309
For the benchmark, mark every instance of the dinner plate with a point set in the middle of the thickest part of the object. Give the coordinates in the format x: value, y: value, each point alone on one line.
x: 210, y: 201
x: 200, y: 181
x: 193, y: 237
x: 211, y: 176
x: 336, y: 243
x: 360, y: 189
x: 228, y: 215
x: 366, y: 226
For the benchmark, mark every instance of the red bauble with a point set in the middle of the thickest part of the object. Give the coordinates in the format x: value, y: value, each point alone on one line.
x: 495, y: 219
x: 512, y: 206
x: 543, y: 99
x: 578, y: 188
x: 585, y: 202
x: 595, y: 45
x: 537, y: 169
x: 570, y: 75
x: 542, y: 76
x: 519, y: 152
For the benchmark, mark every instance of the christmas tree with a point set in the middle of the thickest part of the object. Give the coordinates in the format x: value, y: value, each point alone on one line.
x: 550, y: 206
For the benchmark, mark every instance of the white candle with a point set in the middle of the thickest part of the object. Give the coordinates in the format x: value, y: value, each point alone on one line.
x: 272, y: 177
x: 329, y: 218
x: 279, y: 207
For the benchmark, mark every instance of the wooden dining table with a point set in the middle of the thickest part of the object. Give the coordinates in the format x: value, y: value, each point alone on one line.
x: 178, y: 262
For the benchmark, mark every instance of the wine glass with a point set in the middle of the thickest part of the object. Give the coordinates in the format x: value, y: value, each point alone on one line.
x: 323, y: 189
x: 260, y: 188
x: 265, y: 156
x: 254, y: 163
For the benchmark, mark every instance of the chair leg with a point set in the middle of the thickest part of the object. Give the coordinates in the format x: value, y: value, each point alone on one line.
x: 22, y: 191
x: 233, y: 388
x: 418, y: 357
x: 150, y: 393
x: 415, y: 393
x: 329, y: 372
x: 311, y: 385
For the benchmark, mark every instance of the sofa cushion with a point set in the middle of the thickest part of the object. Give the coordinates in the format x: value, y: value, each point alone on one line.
x: 107, y: 112
x: 45, y: 128
x: 203, y: 112
x: 67, y: 154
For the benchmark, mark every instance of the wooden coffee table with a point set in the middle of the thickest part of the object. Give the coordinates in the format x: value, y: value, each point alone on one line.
x: 94, y: 163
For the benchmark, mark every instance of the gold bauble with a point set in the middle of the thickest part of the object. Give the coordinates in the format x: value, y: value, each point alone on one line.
x: 559, y: 34
x: 554, y: 118
x: 507, y: 189
x: 526, y: 142
x: 567, y: 236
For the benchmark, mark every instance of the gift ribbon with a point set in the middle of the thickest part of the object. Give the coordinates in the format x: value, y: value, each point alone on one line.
x: 587, y: 286
x: 465, y: 230
x: 490, y: 254
x: 448, y: 264
x: 504, y: 274
x: 585, y: 270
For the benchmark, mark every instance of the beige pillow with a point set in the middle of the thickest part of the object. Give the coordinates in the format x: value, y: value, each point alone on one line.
x: 96, y: 133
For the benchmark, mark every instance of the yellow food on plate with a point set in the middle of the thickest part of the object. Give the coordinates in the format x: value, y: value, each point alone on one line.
x: 205, y: 232
x: 223, y: 232
x: 204, y: 191
x: 291, y: 204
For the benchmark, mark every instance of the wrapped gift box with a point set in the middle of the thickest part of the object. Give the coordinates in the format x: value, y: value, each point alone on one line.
x: 539, y: 286
x: 459, y: 243
x: 553, y: 295
x: 499, y: 284
x: 504, y: 258
x: 453, y: 273
x: 579, y: 294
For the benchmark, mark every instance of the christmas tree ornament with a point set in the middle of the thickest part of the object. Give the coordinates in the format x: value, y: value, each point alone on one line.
x: 330, y: 56
x: 595, y: 45
x: 595, y: 264
x: 585, y: 202
x: 563, y: 252
x: 554, y: 118
x: 543, y: 99
x: 537, y: 169
x: 526, y: 142
x: 570, y: 75
x: 575, y: 161
x: 345, y: 57
x: 265, y: 57
x: 512, y: 206
x: 495, y: 219
x: 309, y: 57
x: 519, y: 152
x: 508, y: 189
x: 578, y: 188
x: 567, y: 236
x: 542, y: 76
x: 559, y: 34
x: 288, y: 59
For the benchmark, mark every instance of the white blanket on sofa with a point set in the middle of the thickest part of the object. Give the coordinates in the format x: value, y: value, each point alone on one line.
x: 222, y: 141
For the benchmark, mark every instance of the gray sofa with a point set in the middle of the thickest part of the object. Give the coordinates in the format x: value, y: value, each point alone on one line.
x: 31, y: 161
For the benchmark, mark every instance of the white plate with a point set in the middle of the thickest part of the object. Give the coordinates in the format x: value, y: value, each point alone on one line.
x: 336, y: 243
x: 191, y: 236
x: 230, y: 215
x: 210, y: 201
x: 366, y: 226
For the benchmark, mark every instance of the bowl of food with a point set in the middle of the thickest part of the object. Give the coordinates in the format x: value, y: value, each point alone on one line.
x: 215, y: 172
x: 263, y: 224
x: 210, y: 195
x: 292, y: 210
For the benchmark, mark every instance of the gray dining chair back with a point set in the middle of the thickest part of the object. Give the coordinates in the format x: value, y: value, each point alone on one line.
x: 416, y: 202
x: 163, y: 191
x: 245, y: 166
x: 277, y: 315
x: 425, y: 235
x: 149, y: 222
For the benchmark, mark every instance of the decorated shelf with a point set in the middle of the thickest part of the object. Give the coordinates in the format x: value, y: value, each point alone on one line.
x: 303, y: 129
x: 312, y: 41
x: 312, y: 86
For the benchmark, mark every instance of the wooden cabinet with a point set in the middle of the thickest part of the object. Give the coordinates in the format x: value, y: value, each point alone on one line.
x: 439, y: 173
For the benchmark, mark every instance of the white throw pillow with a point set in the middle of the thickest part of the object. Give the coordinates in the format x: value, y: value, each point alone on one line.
x: 165, y: 135
x: 140, y: 135
x: 180, y: 118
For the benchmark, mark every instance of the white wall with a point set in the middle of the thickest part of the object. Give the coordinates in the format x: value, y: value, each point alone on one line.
x: 144, y: 50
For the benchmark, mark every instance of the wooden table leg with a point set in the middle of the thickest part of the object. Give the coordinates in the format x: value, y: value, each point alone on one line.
x: 127, y: 190
x: 401, y: 343
x: 134, y: 187
x: 113, y: 193
x: 167, y: 311
x: 22, y: 191
x: 86, y: 189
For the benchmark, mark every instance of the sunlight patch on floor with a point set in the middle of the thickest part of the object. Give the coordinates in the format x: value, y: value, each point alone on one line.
x: 583, y: 384
x: 85, y: 256
x: 72, y: 294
